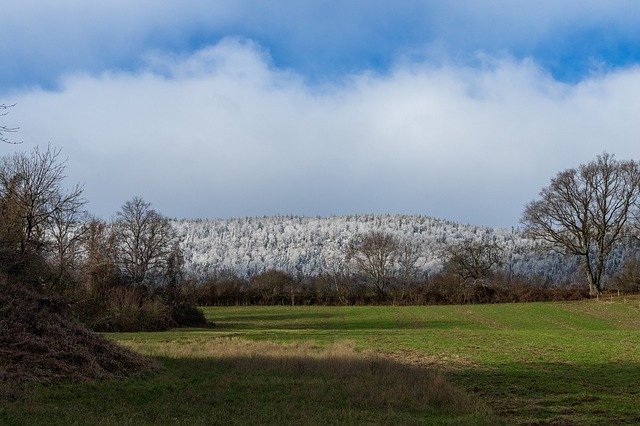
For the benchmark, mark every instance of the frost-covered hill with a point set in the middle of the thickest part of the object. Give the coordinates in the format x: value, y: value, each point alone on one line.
x: 313, y: 245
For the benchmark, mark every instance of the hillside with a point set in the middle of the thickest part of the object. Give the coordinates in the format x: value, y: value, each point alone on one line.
x: 313, y: 245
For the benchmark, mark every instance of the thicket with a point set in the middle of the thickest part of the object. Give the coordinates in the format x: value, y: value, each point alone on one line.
x: 279, y: 288
x: 123, y: 275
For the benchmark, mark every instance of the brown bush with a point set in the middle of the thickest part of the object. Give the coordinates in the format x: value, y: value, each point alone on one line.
x: 40, y: 341
x: 277, y: 288
x: 125, y: 309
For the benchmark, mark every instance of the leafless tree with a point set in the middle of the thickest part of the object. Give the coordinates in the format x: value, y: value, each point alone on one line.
x: 32, y: 194
x: 68, y: 227
x: 408, y: 263
x: 374, y: 258
x: 585, y: 211
x: 6, y: 129
x: 146, y: 241
x: 100, y: 265
x: 634, y: 223
x: 473, y: 259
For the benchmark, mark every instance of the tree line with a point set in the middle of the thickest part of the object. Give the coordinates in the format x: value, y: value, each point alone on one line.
x: 128, y: 273
x: 123, y: 274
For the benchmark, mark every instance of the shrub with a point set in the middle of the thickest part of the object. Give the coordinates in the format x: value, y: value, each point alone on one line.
x: 154, y: 315
x: 185, y: 315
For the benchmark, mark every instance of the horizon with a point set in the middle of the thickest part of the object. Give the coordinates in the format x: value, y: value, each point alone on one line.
x: 355, y: 215
x: 217, y: 110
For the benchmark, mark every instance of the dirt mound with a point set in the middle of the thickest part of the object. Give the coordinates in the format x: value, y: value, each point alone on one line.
x: 40, y: 342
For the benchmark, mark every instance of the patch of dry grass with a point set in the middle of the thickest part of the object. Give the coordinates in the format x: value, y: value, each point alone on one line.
x: 369, y: 378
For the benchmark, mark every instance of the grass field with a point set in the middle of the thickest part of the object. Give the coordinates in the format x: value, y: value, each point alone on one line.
x: 573, y: 362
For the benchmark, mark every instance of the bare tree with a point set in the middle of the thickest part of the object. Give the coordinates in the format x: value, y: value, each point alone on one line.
x: 634, y: 225
x: 473, y: 259
x: 585, y: 212
x: 6, y: 129
x: 146, y: 241
x: 68, y: 226
x: 408, y: 263
x: 11, y: 227
x: 374, y: 257
x: 32, y: 194
x: 100, y: 264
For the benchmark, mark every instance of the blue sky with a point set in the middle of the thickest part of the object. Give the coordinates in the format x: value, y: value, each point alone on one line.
x: 343, y: 97
x: 319, y: 39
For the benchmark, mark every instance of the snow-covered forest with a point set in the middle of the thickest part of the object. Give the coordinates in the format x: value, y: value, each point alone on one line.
x: 313, y: 245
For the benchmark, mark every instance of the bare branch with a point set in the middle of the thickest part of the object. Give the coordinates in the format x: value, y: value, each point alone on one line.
x: 585, y: 211
x: 7, y: 129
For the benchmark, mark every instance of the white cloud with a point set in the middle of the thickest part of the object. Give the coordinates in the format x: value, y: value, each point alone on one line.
x: 223, y: 133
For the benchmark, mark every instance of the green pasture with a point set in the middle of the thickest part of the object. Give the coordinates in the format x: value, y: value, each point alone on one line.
x: 569, y: 362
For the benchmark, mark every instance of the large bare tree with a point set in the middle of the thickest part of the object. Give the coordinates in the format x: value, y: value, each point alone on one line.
x: 32, y: 194
x: 473, y: 259
x: 146, y: 241
x: 374, y: 257
x: 585, y: 211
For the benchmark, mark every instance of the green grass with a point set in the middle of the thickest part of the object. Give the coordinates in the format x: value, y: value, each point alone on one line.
x: 574, y: 362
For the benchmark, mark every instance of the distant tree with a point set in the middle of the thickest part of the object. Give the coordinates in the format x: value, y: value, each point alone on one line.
x: 146, y: 242
x: 473, y: 259
x: 374, y: 258
x: 6, y: 129
x: 68, y: 227
x: 408, y: 256
x: 174, y: 271
x: 585, y: 211
x: 635, y: 221
x: 100, y: 264
x: 627, y: 279
x: 274, y: 285
x: 11, y: 226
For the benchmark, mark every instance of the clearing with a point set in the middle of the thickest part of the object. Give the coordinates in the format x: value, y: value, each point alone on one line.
x: 565, y: 362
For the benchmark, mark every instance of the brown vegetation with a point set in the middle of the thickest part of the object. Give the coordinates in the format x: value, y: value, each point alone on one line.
x: 370, y: 378
x: 440, y: 289
x: 40, y: 342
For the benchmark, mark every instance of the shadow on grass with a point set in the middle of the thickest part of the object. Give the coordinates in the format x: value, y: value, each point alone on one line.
x: 257, y: 384
x: 289, y: 316
x: 558, y: 393
x: 244, y: 323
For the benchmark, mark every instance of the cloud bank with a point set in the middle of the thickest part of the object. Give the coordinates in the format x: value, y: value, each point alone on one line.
x: 224, y: 132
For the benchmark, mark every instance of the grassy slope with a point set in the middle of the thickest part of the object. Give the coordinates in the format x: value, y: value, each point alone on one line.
x: 575, y: 362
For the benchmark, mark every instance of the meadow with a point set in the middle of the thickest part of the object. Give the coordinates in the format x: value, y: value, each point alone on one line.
x: 563, y: 362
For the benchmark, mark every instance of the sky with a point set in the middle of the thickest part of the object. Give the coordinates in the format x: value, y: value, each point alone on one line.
x: 457, y: 110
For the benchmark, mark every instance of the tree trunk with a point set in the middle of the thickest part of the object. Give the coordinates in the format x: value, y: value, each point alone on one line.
x: 594, y: 284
